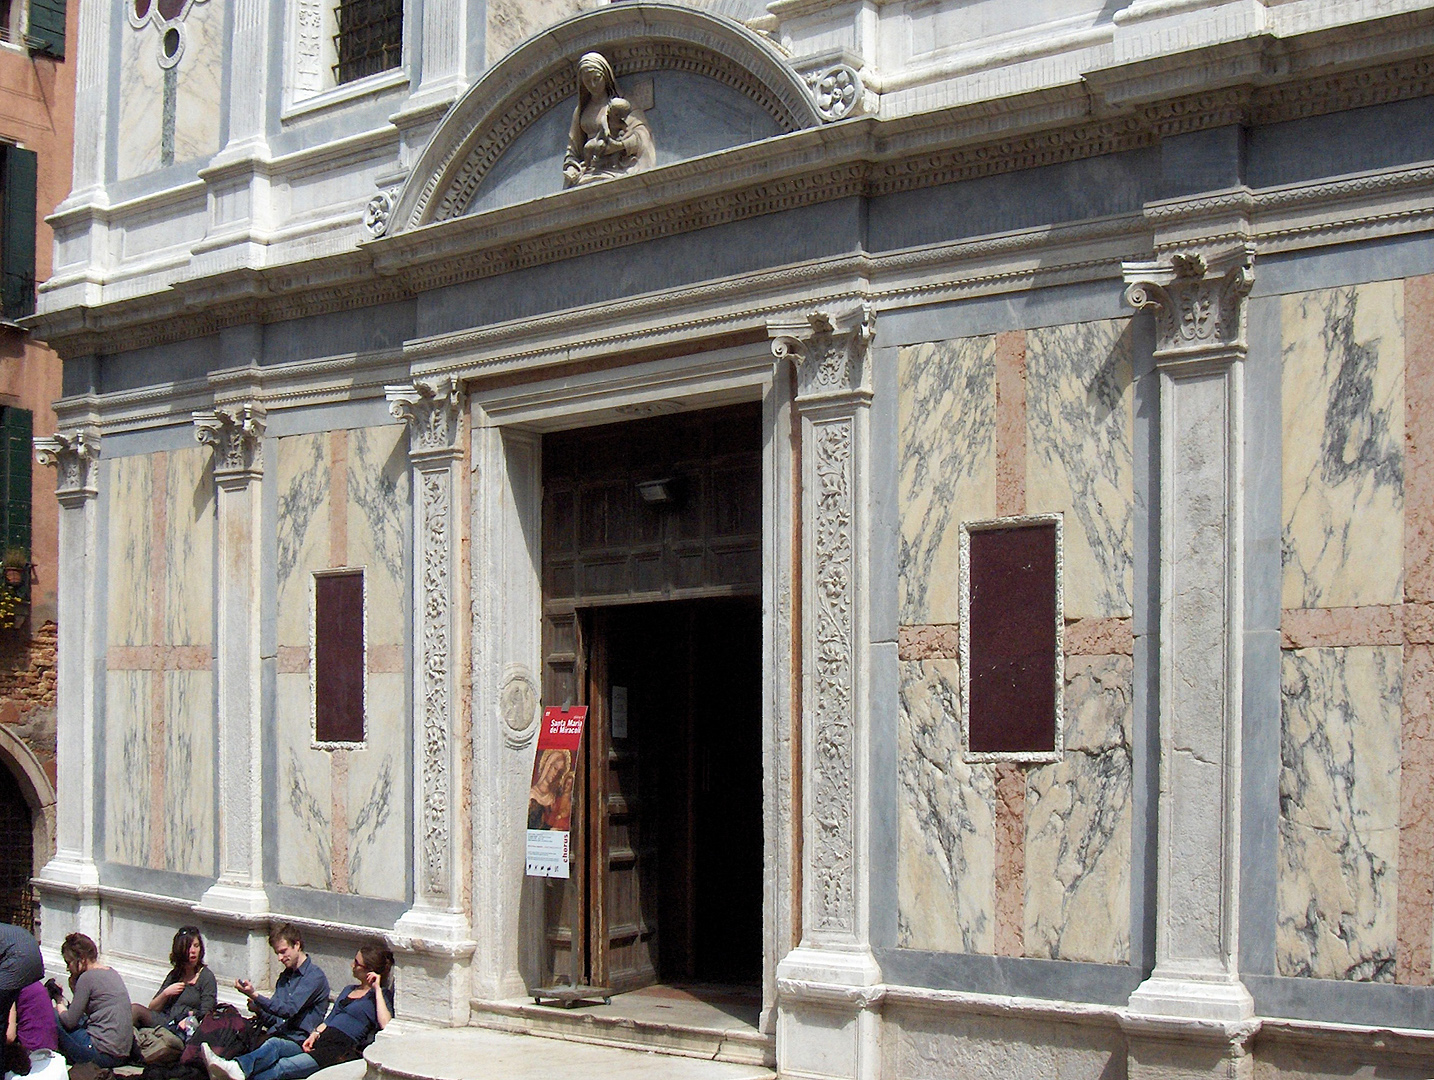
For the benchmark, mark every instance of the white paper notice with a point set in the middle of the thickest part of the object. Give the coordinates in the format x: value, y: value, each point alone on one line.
x: 547, y: 853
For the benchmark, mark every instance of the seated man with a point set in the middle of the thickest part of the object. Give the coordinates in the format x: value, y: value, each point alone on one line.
x: 300, y: 996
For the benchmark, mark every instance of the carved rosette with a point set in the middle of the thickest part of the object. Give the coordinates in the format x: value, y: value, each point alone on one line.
x: 431, y: 411
x: 74, y: 454
x: 831, y: 655
x: 829, y: 351
x: 237, y: 434
x: 379, y: 210
x: 837, y: 91
x: 1199, y: 303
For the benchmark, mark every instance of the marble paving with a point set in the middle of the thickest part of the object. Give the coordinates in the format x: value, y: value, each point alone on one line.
x: 1343, y: 415
x: 1079, y: 458
x: 946, y: 890
x: 1339, y: 813
x: 947, y: 421
x: 1078, y: 822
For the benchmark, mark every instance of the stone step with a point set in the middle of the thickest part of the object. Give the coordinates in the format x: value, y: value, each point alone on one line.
x: 614, y: 1025
x: 481, y: 1054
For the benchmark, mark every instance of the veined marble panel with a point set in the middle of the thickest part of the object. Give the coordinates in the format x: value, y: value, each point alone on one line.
x: 130, y: 511
x: 305, y: 796
x: 189, y: 779
x: 127, y: 758
x: 946, y: 412
x: 1339, y: 813
x: 1080, y: 421
x: 141, y: 101
x: 378, y: 524
x: 377, y: 829
x: 189, y: 556
x: 199, y: 97
x: 1343, y: 414
x: 512, y: 22
x: 302, y: 476
x: 1078, y: 820
x: 946, y: 896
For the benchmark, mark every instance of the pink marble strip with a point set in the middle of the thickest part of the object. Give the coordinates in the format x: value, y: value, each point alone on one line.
x: 1342, y: 628
x: 939, y: 641
x: 1099, y: 637
x: 1011, y: 423
x: 1414, y: 918
x: 159, y: 658
x: 1010, y: 859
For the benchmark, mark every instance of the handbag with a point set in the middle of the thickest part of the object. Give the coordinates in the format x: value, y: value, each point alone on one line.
x: 333, y: 1047
x: 158, y: 1045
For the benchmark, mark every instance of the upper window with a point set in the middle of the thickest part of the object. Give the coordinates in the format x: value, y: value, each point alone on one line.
x: 1011, y: 638
x: 369, y: 38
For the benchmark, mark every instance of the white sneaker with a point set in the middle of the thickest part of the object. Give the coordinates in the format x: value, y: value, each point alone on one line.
x: 220, y: 1068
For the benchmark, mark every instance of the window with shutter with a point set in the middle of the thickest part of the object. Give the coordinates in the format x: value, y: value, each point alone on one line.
x: 16, y: 428
x: 46, y: 32
x: 17, y: 231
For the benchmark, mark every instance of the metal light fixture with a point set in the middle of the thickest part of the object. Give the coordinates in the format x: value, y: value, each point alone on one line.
x: 661, y: 492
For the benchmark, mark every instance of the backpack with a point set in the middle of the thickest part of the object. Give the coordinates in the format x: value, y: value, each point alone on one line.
x: 227, y: 1031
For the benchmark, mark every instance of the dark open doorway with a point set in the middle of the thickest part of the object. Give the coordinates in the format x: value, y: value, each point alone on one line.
x: 681, y: 733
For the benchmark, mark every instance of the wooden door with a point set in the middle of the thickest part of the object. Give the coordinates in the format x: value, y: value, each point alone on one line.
x: 621, y: 930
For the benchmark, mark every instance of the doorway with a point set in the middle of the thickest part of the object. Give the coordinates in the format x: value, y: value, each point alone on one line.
x: 652, y: 567
x: 674, y: 794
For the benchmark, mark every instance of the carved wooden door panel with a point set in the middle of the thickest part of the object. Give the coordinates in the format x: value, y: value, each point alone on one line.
x: 565, y: 899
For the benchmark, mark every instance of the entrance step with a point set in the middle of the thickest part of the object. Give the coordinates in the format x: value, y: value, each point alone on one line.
x: 477, y: 1054
x: 719, y: 1026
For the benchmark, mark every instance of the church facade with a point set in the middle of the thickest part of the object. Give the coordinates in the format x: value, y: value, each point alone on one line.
x: 974, y: 461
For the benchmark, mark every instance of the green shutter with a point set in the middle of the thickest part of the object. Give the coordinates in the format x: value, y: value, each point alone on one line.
x: 15, y: 439
x: 46, y: 33
x: 17, y: 232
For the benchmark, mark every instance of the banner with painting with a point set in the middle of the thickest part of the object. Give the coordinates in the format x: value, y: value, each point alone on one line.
x: 550, y: 795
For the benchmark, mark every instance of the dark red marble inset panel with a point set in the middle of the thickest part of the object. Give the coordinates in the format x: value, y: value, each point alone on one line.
x: 338, y: 657
x: 1013, y: 640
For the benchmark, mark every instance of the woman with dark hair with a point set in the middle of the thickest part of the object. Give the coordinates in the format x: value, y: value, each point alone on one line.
x: 97, y: 1027
x: 359, y: 1013
x: 189, y: 988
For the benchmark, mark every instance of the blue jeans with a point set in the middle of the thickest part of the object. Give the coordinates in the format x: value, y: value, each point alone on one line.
x: 277, y: 1059
x: 78, y: 1048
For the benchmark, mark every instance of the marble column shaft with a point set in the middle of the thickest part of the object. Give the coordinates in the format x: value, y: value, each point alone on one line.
x: 237, y: 437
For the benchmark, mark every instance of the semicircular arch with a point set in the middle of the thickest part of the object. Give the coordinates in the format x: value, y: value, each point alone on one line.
x: 540, y: 74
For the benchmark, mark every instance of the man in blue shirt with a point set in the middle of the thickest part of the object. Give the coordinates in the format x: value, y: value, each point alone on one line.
x: 300, y: 995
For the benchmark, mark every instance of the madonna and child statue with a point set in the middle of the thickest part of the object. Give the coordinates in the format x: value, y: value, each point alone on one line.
x: 609, y: 135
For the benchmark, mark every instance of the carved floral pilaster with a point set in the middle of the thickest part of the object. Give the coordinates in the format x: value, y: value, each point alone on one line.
x: 237, y: 435
x: 74, y: 454
x: 431, y: 411
x: 829, y: 352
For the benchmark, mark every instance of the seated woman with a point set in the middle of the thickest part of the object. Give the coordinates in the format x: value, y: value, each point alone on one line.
x: 359, y: 1013
x: 189, y: 988
x: 97, y: 1027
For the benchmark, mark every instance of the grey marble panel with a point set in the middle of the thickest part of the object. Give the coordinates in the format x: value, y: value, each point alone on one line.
x: 349, y: 414
x: 1053, y: 980
x: 885, y: 794
x: 947, y: 811
x: 150, y: 440
x: 336, y: 907
x: 1376, y: 1004
x: 1376, y: 137
x: 165, y: 883
x: 946, y: 438
x: 1339, y: 813
x: 372, y: 329
x: 175, y: 362
x: 1210, y: 160
x: 1056, y: 306
x: 1347, y: 264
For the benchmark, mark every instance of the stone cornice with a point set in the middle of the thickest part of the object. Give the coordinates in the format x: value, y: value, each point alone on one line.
x: 863, y: 157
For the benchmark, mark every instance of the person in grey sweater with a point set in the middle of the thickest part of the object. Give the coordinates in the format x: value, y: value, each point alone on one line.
x: 97, y: 1026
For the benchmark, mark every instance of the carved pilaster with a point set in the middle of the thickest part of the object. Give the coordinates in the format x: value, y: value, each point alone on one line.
x: 829, y: 351
x: 1199, y: 307
x: 72, y: 872
x: 432, y: 412
x: 236, y: 432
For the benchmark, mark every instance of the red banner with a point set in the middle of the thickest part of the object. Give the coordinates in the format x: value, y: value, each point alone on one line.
x: 550, y: 795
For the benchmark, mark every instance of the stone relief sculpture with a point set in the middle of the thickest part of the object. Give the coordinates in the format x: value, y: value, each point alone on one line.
x: 609, y: 135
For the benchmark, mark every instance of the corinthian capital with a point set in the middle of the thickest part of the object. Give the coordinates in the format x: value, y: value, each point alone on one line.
x: 1199, y: 303
x: 430, y: 409
x: 829, y: 351
x: 237, y: 434
x: 73, y: 454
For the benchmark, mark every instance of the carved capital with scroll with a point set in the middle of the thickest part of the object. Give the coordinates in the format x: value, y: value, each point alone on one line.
x: 74, y: 455
x: 431, y: 411
x: 1199, y: 303
x: 237, y: 434
x: 829, y: 350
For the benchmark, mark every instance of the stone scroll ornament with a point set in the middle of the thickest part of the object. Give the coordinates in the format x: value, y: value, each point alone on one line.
x: 167, y: 17
x: 74, y: 455
x: 237, y: 435
x: 609, y: 135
